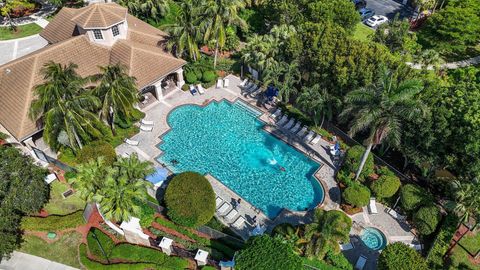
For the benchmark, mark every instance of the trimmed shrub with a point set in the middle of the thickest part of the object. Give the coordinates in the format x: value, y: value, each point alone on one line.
x: 103, y: 240
x: 386, y: 186
x: 338, y: 260
x: 136, y: 253
x: 357, y: 195
x: 208, y: 76
x: 190, y: 199
x: 413, y: 196
x: 398, y: 256
x: 442, y: 242
x: 190, y: 77
x: 267, y: 253
x: 426, y: 219
x: 97, y: 149
x: 352, y: 162
x: 53, y: 223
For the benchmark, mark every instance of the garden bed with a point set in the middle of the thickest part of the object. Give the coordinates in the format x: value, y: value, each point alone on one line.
x: 25, y: 30
x: 53, y: 222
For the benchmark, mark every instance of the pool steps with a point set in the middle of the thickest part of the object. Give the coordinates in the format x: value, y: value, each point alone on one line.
x: 247, y: 107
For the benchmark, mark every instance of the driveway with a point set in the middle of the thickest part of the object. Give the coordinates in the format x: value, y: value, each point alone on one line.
x: 389, y: 8
x: 15, y: 48
x: 23, y: 261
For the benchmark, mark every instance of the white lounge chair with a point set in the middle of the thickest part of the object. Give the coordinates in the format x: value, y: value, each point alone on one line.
x: 146, y: 128
x: 282, y: 121
x: 417, y: 247
x: 276, y: 114
x: 346, y: 246
x: 309, y: 136
x: 131, y: 142
x: 302, y: 132
x: 296, y: 127
x: 226, y: 83
x: 231, y: 214
x: 362, y: 260
x: 396, y: 215
x: 50, y: 178
x: 147, y: 123
x: 223, y: 208
x: 218, y: 202
x: 242, y: 84
x: 248, y: 86
x: 219, y: 83
x: 252, y: 89
x: 238, y: 222
x: 372, y: 206
x: 316, y: 140
x: 200, y: 88
x: 289, y: 124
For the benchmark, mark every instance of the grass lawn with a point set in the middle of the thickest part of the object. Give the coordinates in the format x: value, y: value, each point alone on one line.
x: 53, y: 223
x: 459, y: 260
x: 64, y: 250
x: 57, y: 205
x: 363, y: 32
x: 22, y: 31
x: 471, y: 242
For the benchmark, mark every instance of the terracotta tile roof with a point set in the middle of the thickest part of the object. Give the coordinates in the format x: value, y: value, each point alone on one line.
x: 62, y: 27
x: 100, y: 15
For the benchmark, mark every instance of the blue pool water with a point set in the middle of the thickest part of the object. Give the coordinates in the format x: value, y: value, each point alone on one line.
x: 373, y: 238
x: 227, y: 141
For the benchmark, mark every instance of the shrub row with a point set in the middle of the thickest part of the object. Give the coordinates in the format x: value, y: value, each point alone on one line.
x: 103, y: 240
x: 442, y: 242
x: 53, y: 223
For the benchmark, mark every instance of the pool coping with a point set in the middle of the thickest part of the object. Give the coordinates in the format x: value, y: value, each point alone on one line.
x: 265, y: 124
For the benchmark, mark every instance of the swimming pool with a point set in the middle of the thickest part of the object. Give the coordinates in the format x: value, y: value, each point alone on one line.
x: 227, y: 140
x: 373, y: 238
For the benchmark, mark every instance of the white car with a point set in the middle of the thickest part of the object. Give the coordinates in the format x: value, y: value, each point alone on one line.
x: 376, y: 20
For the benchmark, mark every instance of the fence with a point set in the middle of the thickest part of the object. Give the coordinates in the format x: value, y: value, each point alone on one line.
x: 214, y: 234
x: 42, y: 156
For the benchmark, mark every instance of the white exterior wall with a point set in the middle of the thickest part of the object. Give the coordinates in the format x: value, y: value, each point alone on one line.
x: 108, y: 38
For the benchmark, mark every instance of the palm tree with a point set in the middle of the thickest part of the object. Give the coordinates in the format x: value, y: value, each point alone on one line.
x: 185, y: 34
x: 146, y: 9
x: 291, y: 77
x: 117, y: 92
x: 318, y: 102
x: 90, y: 178
x: 326, y: 231
x: 259, y: 53
x: 65, y: 108
x: 430, y: 59
x: 467, y: 199
x: 380, y: 109
x: 290, y: 235
x: 221, y: 14
x: 133, y: 168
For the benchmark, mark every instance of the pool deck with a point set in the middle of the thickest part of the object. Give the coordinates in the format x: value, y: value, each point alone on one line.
x: 158, y: 112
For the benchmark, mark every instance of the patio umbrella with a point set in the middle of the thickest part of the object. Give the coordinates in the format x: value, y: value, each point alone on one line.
x: 258, y: 230
x: 158, y: 176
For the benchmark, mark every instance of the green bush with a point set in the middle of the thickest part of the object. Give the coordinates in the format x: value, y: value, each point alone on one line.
x: 386, y: 186
x: 190, y: 77
x: 103, y: 240
x: 338, y: 260
x: 413, y: 196
x: 190, y: 199
x: 426, y: 219
x: 399, y: 256
x: 147, y: 215
x: 345, y: 177
x: 97, y: 149
x: 3, y: 136
x: 384, y: 170
x: 442, y: 242
x: 267, y: 253
x: 53, y: 223
x: 135, y: 253
x: 357, y: 195
x: 352, y: 162
x: 208, y: 76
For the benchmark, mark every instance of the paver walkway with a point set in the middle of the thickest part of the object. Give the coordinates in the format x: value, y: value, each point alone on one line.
x: 23, y: 261
x: 451, y: 65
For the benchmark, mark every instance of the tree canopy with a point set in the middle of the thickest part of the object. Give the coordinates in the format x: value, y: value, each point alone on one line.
x: 398, y: 256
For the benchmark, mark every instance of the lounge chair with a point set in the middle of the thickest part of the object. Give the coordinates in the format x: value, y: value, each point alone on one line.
x: 50, y: 178
x: 218, y: 202
x: 131, y: 142
x: 146, y: 128
x: 256, y: 91
x: 248, y: 85
x: 309, y: 136
x: 200, y: 89
x: 231, y: 214
x: 226, y: 83
x: 238, y: 222
x: 219, y: 83
x: 242, y: 84
x: 346, y: 246
x: 276, y: 114
x: 296, y: 127
x: 302, y: 132
x: 193, y: 91
x: 372, y: 206
x: 147, y: 123
x: 417, y: 247
x: 289, y: 124
x: 396, y: 215
x: 362, y: 260
x: 252, y: 89
x: 223, y: 208
x: 283, y: 120
x: 316, y: 140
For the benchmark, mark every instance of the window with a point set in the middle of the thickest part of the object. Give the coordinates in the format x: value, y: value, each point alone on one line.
x: 97, y: 34
x: 115, y: 30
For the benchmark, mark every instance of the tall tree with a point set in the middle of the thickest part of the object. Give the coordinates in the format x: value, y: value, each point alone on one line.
x: 467, y: 199
x: 219, y: 15
x: 146, y: 9
x: 317, y: 102
x: 117, y: 93
x: 65, y: 109
x: 90, y: 178
x: 380, y: 109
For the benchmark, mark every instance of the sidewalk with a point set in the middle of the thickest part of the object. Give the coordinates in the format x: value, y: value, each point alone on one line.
x: 23, y: 261
x: 15, y: 48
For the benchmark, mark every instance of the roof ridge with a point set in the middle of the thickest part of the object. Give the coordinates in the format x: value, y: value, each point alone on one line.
x: 94, y: 9
x: 81, y: 11
x: 29, y: 93
x: 164, y: 54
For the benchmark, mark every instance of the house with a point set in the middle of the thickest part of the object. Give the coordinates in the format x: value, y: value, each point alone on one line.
x: 97, y: 35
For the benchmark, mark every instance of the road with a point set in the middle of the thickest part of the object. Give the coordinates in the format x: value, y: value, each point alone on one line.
x: 389, y: 8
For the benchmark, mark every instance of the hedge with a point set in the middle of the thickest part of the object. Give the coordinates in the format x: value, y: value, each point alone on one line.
x: 399, y: 256
x: 97, y: 149
x: 104, y: 240
x: 144, y: 254
x: 413, y: 196
x: 53, y: 223
x: 442, y: 242
x: 357, y: 195
x: 352, y: 162
x: 190, y: 199
x: 426, y: 219
x: 208, y: 76
x: 190, y: 78
x: 385, y: 186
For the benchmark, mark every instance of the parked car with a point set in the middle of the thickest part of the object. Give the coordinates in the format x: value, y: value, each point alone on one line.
x: 366, y: 13
x: 359, y: 3
x: 376, y: 20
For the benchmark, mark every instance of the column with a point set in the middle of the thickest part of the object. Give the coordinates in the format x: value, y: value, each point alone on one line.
x: 158, y: 90
x: 180, y: 81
